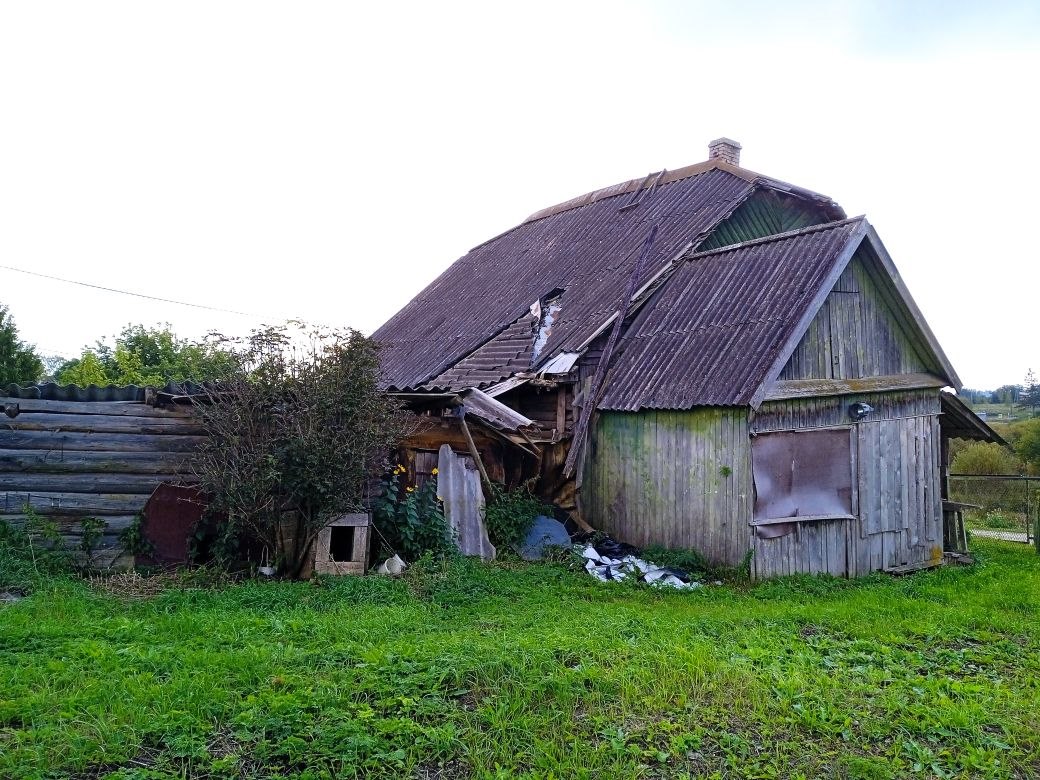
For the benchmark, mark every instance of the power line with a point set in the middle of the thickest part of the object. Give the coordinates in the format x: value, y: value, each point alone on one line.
x: 134, y: 294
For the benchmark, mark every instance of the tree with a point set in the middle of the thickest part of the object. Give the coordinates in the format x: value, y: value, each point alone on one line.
x: 1006, y: 394
x: 1030, y: 392
x: 1025, y: 438
x: 297, y: 429
x: 19, y: 363
x: 147, y: 356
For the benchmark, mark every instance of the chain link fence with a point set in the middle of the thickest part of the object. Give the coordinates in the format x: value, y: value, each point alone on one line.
x: 1001, y: 507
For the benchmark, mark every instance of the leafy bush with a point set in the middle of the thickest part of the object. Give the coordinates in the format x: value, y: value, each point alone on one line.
x: 985, y: 458
x: 509, y: 514
x: 296, y: 429
x: 411, y: 522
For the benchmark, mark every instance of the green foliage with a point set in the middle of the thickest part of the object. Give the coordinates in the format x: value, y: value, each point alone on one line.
x: 1025, y: 438
x: 19, y: 363
x: 509, y: 514
x: 460, y: 669
x: 1030, y: 392
x: 687, y: 560
x: 978, y: 457
x: 296, y: 428
x: 411, y: 522
x: 31, y: 550
x: 148, y: 356
x: 133, y: 538
x: 1000, y: 520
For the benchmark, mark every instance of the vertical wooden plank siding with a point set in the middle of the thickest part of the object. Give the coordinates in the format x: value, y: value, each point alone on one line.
x: 854, y: 335
x: 684, y: 479
x: 679, y: 479
x: 898, y: 502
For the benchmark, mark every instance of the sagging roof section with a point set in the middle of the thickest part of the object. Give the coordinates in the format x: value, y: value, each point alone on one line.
x: 718, y: 329
x: 508, y: 353
x: 586, y: 247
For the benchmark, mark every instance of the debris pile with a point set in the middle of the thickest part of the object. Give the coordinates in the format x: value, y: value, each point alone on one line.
x: 603, y: 566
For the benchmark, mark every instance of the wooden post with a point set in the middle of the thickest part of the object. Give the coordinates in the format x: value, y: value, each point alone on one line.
x: 474, y: 452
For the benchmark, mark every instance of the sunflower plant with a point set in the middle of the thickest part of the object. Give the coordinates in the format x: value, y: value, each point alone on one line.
x: 411, y: 521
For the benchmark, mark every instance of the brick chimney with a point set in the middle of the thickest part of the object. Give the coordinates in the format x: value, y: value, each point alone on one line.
x: 725, y: 149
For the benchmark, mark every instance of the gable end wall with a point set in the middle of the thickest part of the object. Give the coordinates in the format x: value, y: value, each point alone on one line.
x: 854, y: 335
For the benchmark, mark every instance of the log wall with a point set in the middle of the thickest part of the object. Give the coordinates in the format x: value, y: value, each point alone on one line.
x: 70, y: 460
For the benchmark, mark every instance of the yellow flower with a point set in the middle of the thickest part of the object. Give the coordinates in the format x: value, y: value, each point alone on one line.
x: 434, y: 472
x: 409, y: 489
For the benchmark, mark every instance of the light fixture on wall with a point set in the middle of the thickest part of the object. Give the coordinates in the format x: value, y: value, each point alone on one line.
x: 858, y: 411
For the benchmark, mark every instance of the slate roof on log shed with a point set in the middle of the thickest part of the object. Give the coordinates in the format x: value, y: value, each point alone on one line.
x: 465, y: 328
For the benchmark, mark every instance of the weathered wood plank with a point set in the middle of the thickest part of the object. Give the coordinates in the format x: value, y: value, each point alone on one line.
x: 54, y: 503
x: 103, y: 423
x: 72, y: 525
x: 99, y: 407
x: 85, y: 483
x: 813, y: 388
x: 71, y: 462
x: 97, y: 442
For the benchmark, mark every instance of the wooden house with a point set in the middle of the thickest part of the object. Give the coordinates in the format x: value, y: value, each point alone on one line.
x: 706, y: 358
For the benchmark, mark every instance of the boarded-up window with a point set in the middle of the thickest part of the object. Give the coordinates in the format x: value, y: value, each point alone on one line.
x: 803, y: 474
x: 425, y: 463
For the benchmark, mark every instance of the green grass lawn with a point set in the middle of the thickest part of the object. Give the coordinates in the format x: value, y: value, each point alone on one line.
x: 530, y: 671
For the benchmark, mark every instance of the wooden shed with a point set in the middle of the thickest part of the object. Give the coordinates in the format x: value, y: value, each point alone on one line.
x: 71, y: 453
x: 712, y: 359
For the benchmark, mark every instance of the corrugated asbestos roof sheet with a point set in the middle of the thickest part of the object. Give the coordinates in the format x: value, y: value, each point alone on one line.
x: 714, y: 330
x: 49, y: 391
x: 506, y: 354
x: 586, y: 249
x: 960, y: 422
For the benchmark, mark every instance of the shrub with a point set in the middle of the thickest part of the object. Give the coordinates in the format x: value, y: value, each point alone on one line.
x: 411, y: 522
x: 296, y: 429
x: 509, y: 514
x: 985, y: 458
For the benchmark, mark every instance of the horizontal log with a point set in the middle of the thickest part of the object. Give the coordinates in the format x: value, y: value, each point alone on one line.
x: 84, y: 483
x: 102, y: 423
x: 96, y: 442
x: 72, y: 525
x: 130, y: 408
x: 54, y: 503
x: 72, y: 462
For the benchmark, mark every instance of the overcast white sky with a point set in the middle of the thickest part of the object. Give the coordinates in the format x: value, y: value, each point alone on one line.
x: 327, y: 160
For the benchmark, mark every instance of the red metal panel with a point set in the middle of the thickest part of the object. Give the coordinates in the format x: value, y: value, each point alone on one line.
x: 170, y: 518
